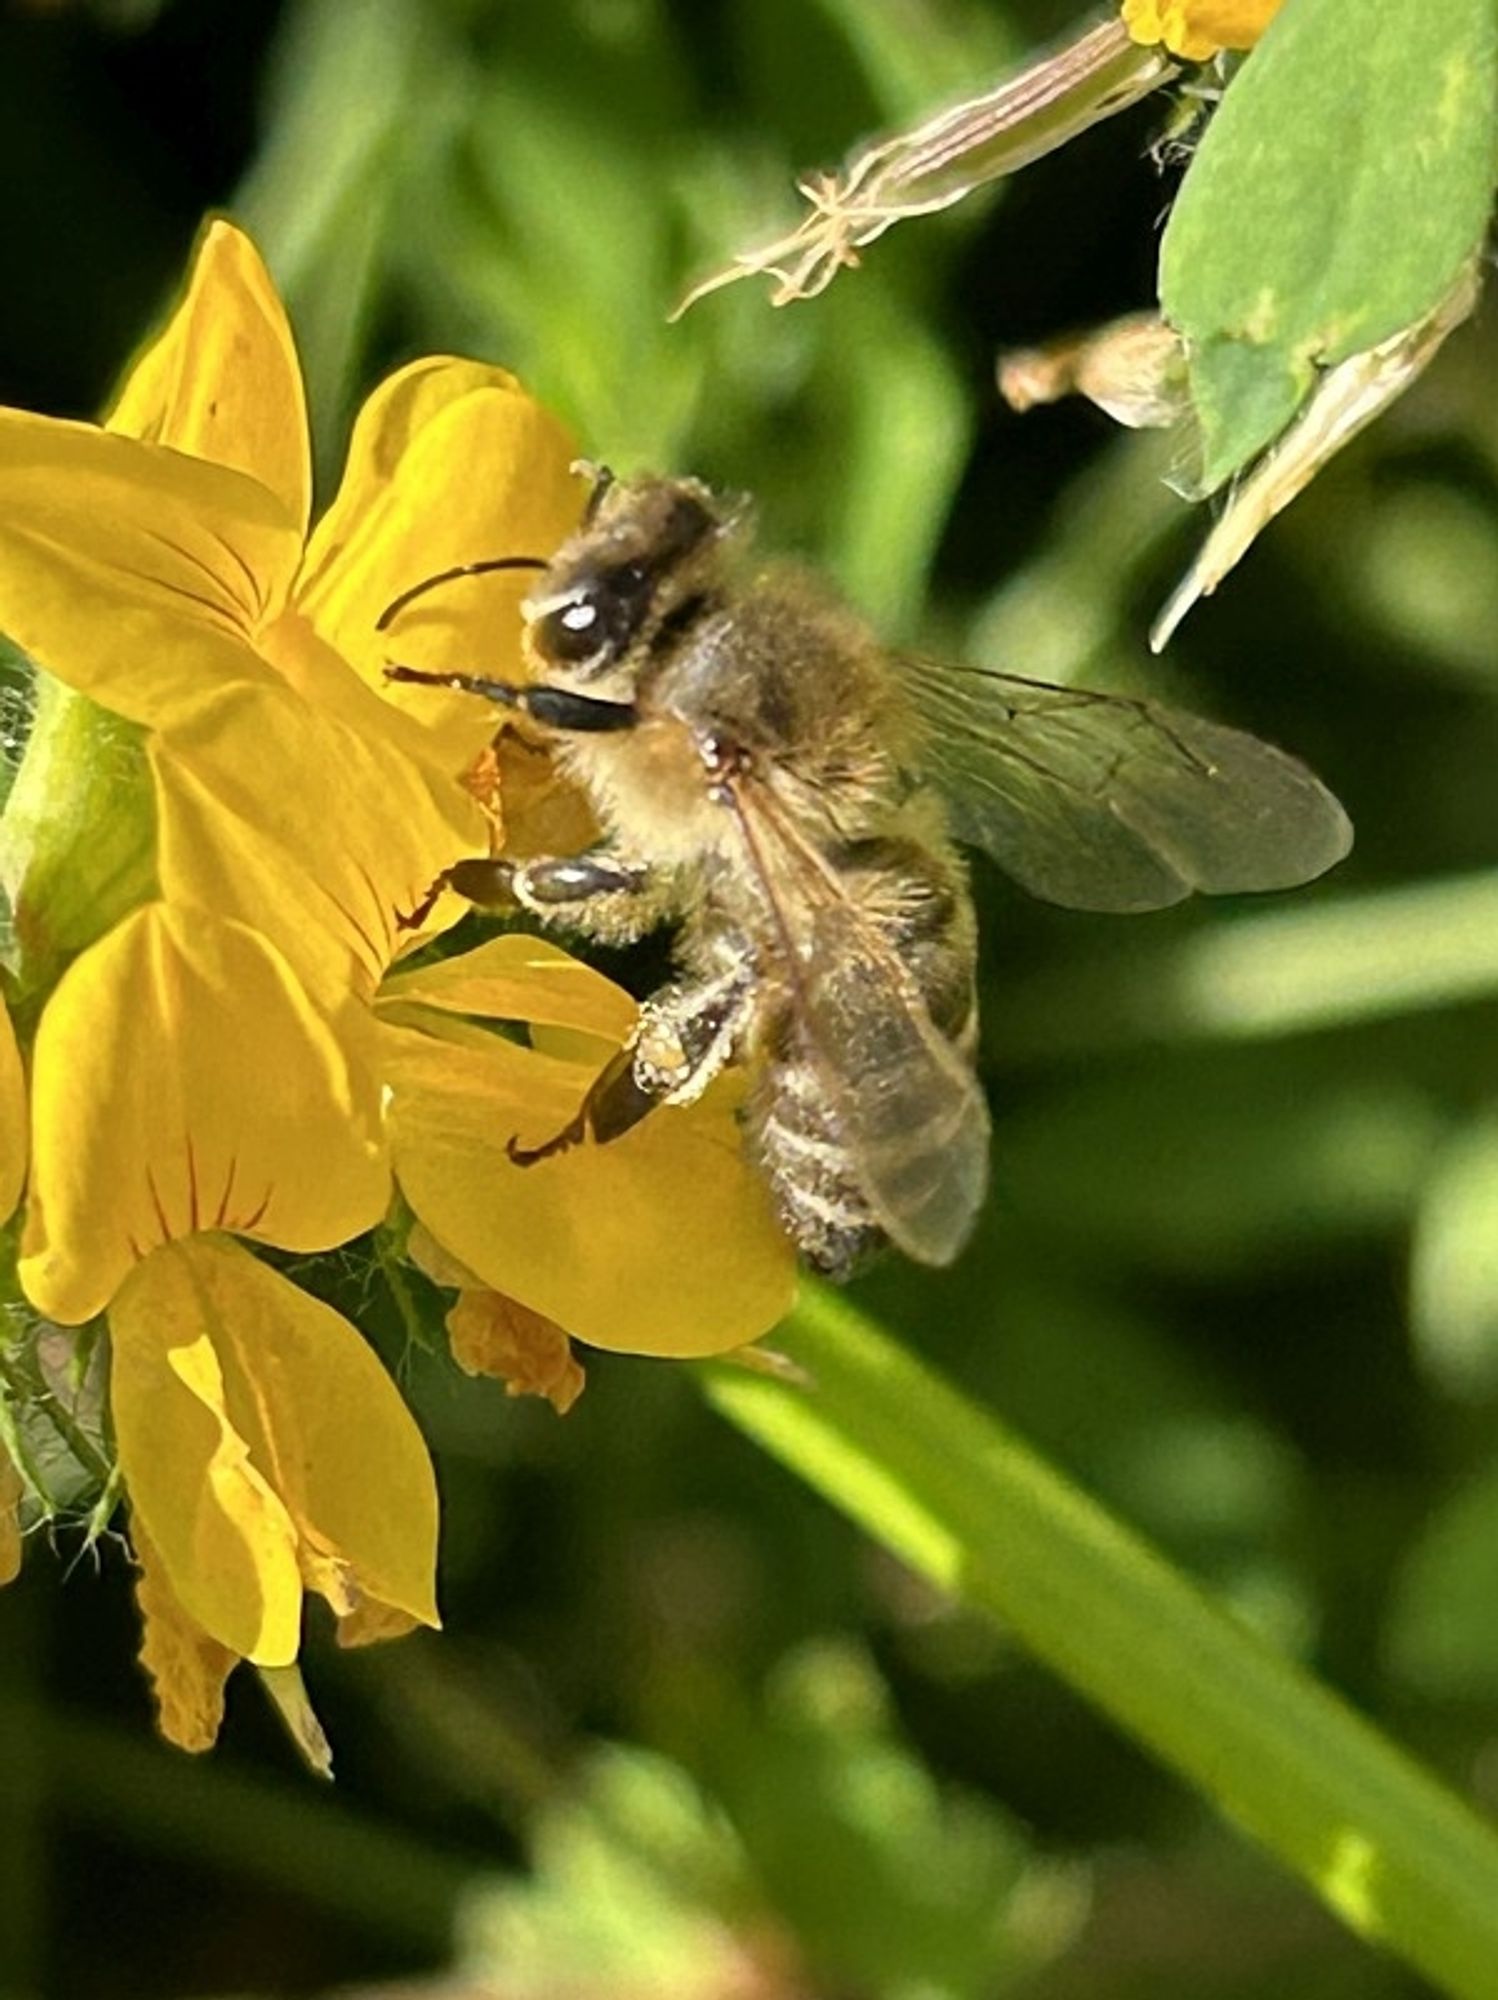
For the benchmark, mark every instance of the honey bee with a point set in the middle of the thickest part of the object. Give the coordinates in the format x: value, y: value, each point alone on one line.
x: 791, y: 795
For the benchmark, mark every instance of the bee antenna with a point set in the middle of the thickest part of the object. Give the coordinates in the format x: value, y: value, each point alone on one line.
x: 603, y: 477
x: 397, y: 605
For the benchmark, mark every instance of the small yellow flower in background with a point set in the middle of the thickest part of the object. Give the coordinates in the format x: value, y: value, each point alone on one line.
x: 224, y: 1055
x: 1197, y: 30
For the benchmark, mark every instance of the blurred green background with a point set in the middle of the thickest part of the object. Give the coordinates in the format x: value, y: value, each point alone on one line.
x: 687, y: 1736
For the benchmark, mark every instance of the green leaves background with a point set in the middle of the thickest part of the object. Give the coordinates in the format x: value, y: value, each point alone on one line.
x: 1237, y: 1279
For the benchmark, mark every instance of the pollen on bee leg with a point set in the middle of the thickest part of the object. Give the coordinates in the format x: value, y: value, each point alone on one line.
x: 660, y: 1052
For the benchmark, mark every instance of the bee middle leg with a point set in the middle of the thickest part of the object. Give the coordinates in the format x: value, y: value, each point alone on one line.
x: 686, y: 1035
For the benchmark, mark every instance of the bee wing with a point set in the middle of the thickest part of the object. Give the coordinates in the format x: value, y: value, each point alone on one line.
x: 904, y: 1104
x: 1105, y: 803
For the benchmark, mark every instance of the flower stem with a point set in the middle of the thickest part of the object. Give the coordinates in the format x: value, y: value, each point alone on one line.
x: 1398, y: 1857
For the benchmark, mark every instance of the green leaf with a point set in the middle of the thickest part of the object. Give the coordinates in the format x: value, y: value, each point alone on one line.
x: 1341, y: 186
x: 1402, y: 1860
x: 1454, y: 1269
x: 1442, y: 1633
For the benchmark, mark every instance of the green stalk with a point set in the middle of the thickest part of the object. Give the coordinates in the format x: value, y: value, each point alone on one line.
x: 1400, y: 1859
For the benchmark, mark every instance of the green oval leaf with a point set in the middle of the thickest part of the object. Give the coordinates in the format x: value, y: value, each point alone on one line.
x: 1340, y: 187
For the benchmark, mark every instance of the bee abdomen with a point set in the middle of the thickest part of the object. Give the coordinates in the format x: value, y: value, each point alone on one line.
x: 817, y: 1200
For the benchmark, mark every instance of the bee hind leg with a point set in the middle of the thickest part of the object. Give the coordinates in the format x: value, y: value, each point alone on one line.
x: 686, y: 1036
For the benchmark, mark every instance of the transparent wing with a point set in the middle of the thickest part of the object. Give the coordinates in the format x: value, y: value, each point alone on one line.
x: 1104, y: 803
x: 904, y: 1104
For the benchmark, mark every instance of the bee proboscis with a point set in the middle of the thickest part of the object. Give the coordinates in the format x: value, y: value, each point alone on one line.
x: 790, y: 794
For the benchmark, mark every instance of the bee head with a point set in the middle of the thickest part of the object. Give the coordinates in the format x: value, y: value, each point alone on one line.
x: 644, y: 550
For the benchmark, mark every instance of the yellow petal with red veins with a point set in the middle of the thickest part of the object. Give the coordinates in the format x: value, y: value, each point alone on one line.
x: 660, y: 1243
x: 518, y: 978
x: 492, y: 1335
x: 222, y: 381
x: 11, y: 1490
x: 131, y: 572
x: 310, y: 1408
x: 227, y: 1544
x: 13, y: 1119
x: 320, y: 836
x: 183, y: 1080
x: 451, y: 462
x: 187, y: 1668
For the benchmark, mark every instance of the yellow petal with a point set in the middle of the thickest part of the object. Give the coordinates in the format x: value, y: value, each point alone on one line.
x: 133, y: 573
x: 320, y: 835
x: 661, y: 1243
x: 371, y: 1624
x: 221, y: 381
x: 13, y: 1133
x: 183, y: 1080
x: 11, y: 1490
x: 517, y: 978
x: 187, y: 1668
x: 451, y: 462
x: 227, y: 1544
x: 319, y: 1417
x: 1197, y: 30
x: 492, y: 1335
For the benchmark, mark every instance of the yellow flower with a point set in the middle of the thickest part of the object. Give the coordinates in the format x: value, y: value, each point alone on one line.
x: 225, y: 1056
x: 1197, y: 30
x: 266, y: 1449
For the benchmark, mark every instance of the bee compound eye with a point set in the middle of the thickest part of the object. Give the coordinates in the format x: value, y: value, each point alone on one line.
x: 573, y: 632
x: 598, y: 619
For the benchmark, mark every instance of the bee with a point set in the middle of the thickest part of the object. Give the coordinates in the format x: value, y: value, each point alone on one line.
x: 792, y: 796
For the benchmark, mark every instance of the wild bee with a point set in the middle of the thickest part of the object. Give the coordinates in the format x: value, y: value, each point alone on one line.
x: 790, y: 794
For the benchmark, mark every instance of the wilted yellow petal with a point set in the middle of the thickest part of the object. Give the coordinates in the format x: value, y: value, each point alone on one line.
x: 227, y: 1544
x: 320, y: 835
x: 1133, y: 368
x: 492, y: 1335
x: 133, y: 573
x: 661, y: 1243
x: 11, y: 1490
x: 222, y: 381
x: 187, y: 1668
x: 13, y: 1121
x: 518, y: 978
x: 451, y: 462
x: 1198, y: 29
x: 183, y: 1080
